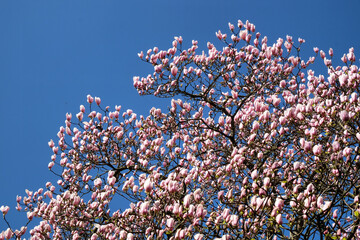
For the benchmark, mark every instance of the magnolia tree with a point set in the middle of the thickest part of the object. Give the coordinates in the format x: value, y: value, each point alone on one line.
x: 253, y: 146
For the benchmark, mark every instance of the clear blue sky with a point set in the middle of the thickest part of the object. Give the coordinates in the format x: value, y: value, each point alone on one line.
x: 54, y: 53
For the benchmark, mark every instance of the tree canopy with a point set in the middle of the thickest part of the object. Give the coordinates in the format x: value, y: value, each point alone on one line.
x: 254, y: 145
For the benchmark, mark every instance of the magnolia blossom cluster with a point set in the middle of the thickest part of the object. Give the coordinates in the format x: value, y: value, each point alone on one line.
x: 254, y: 145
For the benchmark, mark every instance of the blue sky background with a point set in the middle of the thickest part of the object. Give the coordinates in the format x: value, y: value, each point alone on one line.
x: 54, y: 53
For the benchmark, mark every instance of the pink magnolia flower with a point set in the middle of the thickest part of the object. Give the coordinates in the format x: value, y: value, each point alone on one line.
x: 111, y: 181
x: 322, y: 54
x: 252, y: 138
x: 279, y: 203
x: 317, y: 149
x: 358, y: 136
x: 197, y: 194
x: 174, y: 70
x: 8, y: 233
x: 130, y: 236
x: 191, y: 210
x: 266, y: 182
x: 90, y: 99
x: 344, y: 115
x: 320, y: 202
x: 256, y: 126
x: 50, y: 165
x: 30, y: 215
x: 225, y: 213
x: 310, y: 188
x: 51, y: 143
x: 307, y: 146
x: 198, y: 236
x: 335, y: 214
x: 297, y: 165
x: 68, y: 131
x: 279, y: 219
x: 170, y: 223
x: 231, y: 26
x: 351, y: 56
x: 123, y: 234
x: 282, y: 83
x: 293, y: 204
x: 243, y: 34
x: 76, y: 200
x: 177, y: 209
x: 80, y: 116
x: 336, y: 146
x: 148, y: 185
x: 229, y: 194
x: 234, y: 220
x: 326, y: 205
x: 199, y: 211
x: 254, y: 174
x: 98, y: 101
x: 144, y: 207
x: 221, y: 120
x: 4, y: 209
x: 82, y: 108
x: 98, y: 182
x: 187, y: 199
